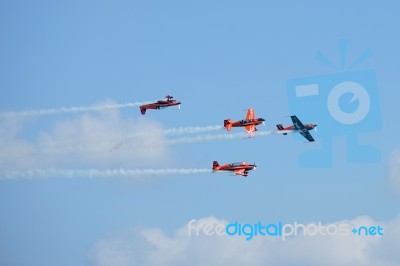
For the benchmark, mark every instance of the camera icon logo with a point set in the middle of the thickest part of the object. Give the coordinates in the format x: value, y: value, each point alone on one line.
x: 359, y: 93
x: 342, y: 104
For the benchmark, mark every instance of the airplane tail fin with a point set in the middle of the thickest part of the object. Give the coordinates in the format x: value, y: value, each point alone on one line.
x: 279, y: 126
x: 142, y: 110
x: 215, y: 165
x: 228, y: 124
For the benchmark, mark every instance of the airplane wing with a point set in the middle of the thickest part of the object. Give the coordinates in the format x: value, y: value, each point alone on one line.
x: 240, y: 171
x: 297, y: 123
x: 250, y: 128
x: 307, y: 135
x: 250, y: 114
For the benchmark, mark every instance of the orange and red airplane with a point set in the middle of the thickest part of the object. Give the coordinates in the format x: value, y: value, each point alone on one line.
x: 249, y: 123
x: 160, y: 104
x: 241, y: 168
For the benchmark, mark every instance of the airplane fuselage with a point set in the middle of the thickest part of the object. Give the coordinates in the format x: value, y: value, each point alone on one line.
x: 160, y: 104
x: 248, y: 122
x: 230, y: 167
x: 291, y: 129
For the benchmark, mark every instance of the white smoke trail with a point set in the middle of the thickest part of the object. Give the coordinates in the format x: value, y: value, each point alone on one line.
x: 127, y: 143
x: 176, y: 131
x: 68, y: 110
x: 206, y: 138
x: 118, y: 145
x: 191, y: 130
x: 96, y: 173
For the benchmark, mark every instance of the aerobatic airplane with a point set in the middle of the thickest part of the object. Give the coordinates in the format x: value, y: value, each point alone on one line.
x: 241, y: 168
x: 297, y: 127
x: 249, y: 123
x: 160, y: 104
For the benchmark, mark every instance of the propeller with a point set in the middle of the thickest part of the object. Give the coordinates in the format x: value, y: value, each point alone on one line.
x: 179, y: 106
x: 315, y: 127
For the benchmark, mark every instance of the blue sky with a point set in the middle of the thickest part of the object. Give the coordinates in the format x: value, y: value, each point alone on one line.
x: 218, y: 58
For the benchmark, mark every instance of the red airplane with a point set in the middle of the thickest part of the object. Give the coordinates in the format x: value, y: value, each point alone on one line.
x: 160, y: 104
x: 249, y: 123
x: 297, y: 127
x: 241, y: 168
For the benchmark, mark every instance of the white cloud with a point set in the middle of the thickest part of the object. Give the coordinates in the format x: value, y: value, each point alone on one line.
x: 394, y: 171
x: 12, y: 147
x: 155, y: 247
x: 113, y: 253
x: 104, y: 139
